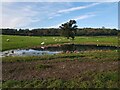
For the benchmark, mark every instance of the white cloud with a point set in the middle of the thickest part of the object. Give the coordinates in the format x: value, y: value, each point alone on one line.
x: 17, y: 17
x: 54, y: 15
x: 60, y: 12
x: 22, y: 15
x: 84, y: 17
x: 76, y: 18
x: 77, y: 8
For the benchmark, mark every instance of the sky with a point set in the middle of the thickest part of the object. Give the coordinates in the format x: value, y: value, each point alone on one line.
x: 53, y: 14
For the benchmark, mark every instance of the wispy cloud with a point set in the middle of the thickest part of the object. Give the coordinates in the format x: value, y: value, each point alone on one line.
x: 81, y: 17
x: 84, y: 17
x: 17, y: 17
x: 77, y: 8
x: 45, y: 14
x: 54, y: 15
x: 60, y: 12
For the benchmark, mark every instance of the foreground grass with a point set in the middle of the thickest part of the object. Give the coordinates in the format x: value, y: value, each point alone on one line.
x: 91, y: 77
x: 16, y: 42
x: 87, y: 80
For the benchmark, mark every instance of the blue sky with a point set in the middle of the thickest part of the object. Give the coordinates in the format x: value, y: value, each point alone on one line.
x: 53, y: 14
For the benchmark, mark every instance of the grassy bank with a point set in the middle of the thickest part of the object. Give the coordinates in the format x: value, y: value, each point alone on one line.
x: 95, y: 80
x: 16, y: 42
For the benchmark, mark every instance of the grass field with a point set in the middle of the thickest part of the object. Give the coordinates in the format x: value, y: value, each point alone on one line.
x: 88, y: 69
x: 16, y: 42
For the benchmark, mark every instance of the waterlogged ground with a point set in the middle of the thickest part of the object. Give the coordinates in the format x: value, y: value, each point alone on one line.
x: 95, y: 68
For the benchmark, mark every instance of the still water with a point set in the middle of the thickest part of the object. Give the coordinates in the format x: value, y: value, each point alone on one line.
x: 52, y: 50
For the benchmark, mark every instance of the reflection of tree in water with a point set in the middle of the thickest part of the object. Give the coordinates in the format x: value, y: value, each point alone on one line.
x: 70, y: 48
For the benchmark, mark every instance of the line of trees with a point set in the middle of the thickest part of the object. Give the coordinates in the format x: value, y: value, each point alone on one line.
x: 57, y: 32
x: 33, y: 32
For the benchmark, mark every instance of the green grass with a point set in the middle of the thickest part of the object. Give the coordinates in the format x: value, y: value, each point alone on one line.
x: 26, y: 41
x: 96, y: 80
x: 16, y: 42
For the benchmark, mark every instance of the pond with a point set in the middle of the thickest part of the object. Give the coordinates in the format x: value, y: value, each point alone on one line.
x: 27, y: 52
x: 78, y: 47
x: 51, y: 50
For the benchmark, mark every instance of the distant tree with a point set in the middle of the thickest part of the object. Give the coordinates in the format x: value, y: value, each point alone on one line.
x: 103, y: 27
x: 69, y: 29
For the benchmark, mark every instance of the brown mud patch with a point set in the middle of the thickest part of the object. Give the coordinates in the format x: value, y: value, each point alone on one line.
x: 67, y: 69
